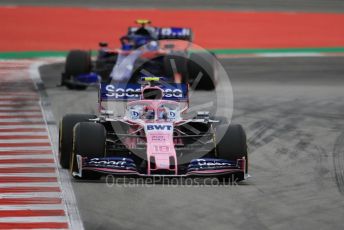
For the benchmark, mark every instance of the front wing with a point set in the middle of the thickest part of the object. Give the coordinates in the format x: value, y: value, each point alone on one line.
x: 126, y: 167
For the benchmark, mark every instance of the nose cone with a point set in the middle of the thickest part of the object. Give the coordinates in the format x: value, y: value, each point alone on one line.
x: 160, y: 147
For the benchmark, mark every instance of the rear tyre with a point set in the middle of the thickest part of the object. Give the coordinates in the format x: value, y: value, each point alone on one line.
x: 66, y: 136
x: 89, y: 141
x: 201, y: 69
x: 77, y: 62
x: 232, y: 145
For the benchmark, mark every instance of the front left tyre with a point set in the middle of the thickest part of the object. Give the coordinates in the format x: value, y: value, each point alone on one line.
x: 89, y: 140
x: 66, y: 136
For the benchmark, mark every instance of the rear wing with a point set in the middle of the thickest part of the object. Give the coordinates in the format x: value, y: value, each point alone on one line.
x: 132, y: 91
x: 180, y: 33
x: 175, y: 33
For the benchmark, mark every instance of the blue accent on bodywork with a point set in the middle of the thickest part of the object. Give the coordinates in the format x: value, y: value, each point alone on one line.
x: 130, y: 91
x: 110, y: 163
x: 87, y: 78
x: 127, y: 47
x: 131, y: 42
x: 174, y: 33
x: 157, y: 33
x: 211, y: 164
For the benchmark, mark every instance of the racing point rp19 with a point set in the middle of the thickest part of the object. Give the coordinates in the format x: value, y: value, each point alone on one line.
x: 160, y: 51
x: 152, y: 138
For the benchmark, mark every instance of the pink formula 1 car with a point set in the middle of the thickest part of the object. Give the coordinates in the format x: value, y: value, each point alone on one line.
x: 153, y: 137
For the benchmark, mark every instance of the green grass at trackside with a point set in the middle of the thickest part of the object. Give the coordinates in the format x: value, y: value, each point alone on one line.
x: 31, y: 54
x: 45, y: 54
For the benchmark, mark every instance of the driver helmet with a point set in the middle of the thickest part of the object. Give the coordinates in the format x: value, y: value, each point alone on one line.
x: 152, y: 45
x: 162, y: 113
x: 148, y: 113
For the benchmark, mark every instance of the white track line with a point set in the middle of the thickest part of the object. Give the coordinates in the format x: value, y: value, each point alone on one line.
x: 33, y: 207
x: 24, y: 134
x: 21, y: 108
x: 63, y: 175
x: 38, y: 149
x: 42, y: 156
x: 20, y: 119
x: 19, y: 94
x: 28, y: 141
x: 32, y: 195
x: 18, y: 102
x: 27, y: 165
x: 26, y: 148
x: 30, y: 184
x: 28, y: 174
x: 19, y: 113
x: 14, y: 127
x: 11, y: 97
x: 34, y: 219
x: 23, y: 141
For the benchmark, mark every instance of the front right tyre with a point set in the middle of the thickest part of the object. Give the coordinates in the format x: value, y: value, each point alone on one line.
x: 233, y: 143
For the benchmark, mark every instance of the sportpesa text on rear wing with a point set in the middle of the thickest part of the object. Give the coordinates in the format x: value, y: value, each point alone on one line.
x: 132, y: 91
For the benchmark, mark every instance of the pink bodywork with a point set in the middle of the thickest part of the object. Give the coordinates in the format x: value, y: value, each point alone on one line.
x: 161, y: 153
x: 160, y: 147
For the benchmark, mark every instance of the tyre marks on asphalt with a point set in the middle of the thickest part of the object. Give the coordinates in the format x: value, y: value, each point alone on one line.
x: 338, y: 162
x: 30, y: 194
x: 286, y: 135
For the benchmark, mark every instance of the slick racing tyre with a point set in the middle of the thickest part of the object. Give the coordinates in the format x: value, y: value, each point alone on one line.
x: 66, y: 136
x: 89, y: 140
x: 233, y: 144
x: 202, y: 70
x: 77, y: 62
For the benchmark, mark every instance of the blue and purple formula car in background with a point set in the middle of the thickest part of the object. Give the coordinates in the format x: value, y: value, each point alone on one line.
x: 145, y: 51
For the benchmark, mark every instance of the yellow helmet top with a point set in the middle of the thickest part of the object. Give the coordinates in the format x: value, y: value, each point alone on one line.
x: 151, y: 78
x: 143, y: 21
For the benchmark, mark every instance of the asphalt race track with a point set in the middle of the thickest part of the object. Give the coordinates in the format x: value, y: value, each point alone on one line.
x: 292, y: 110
